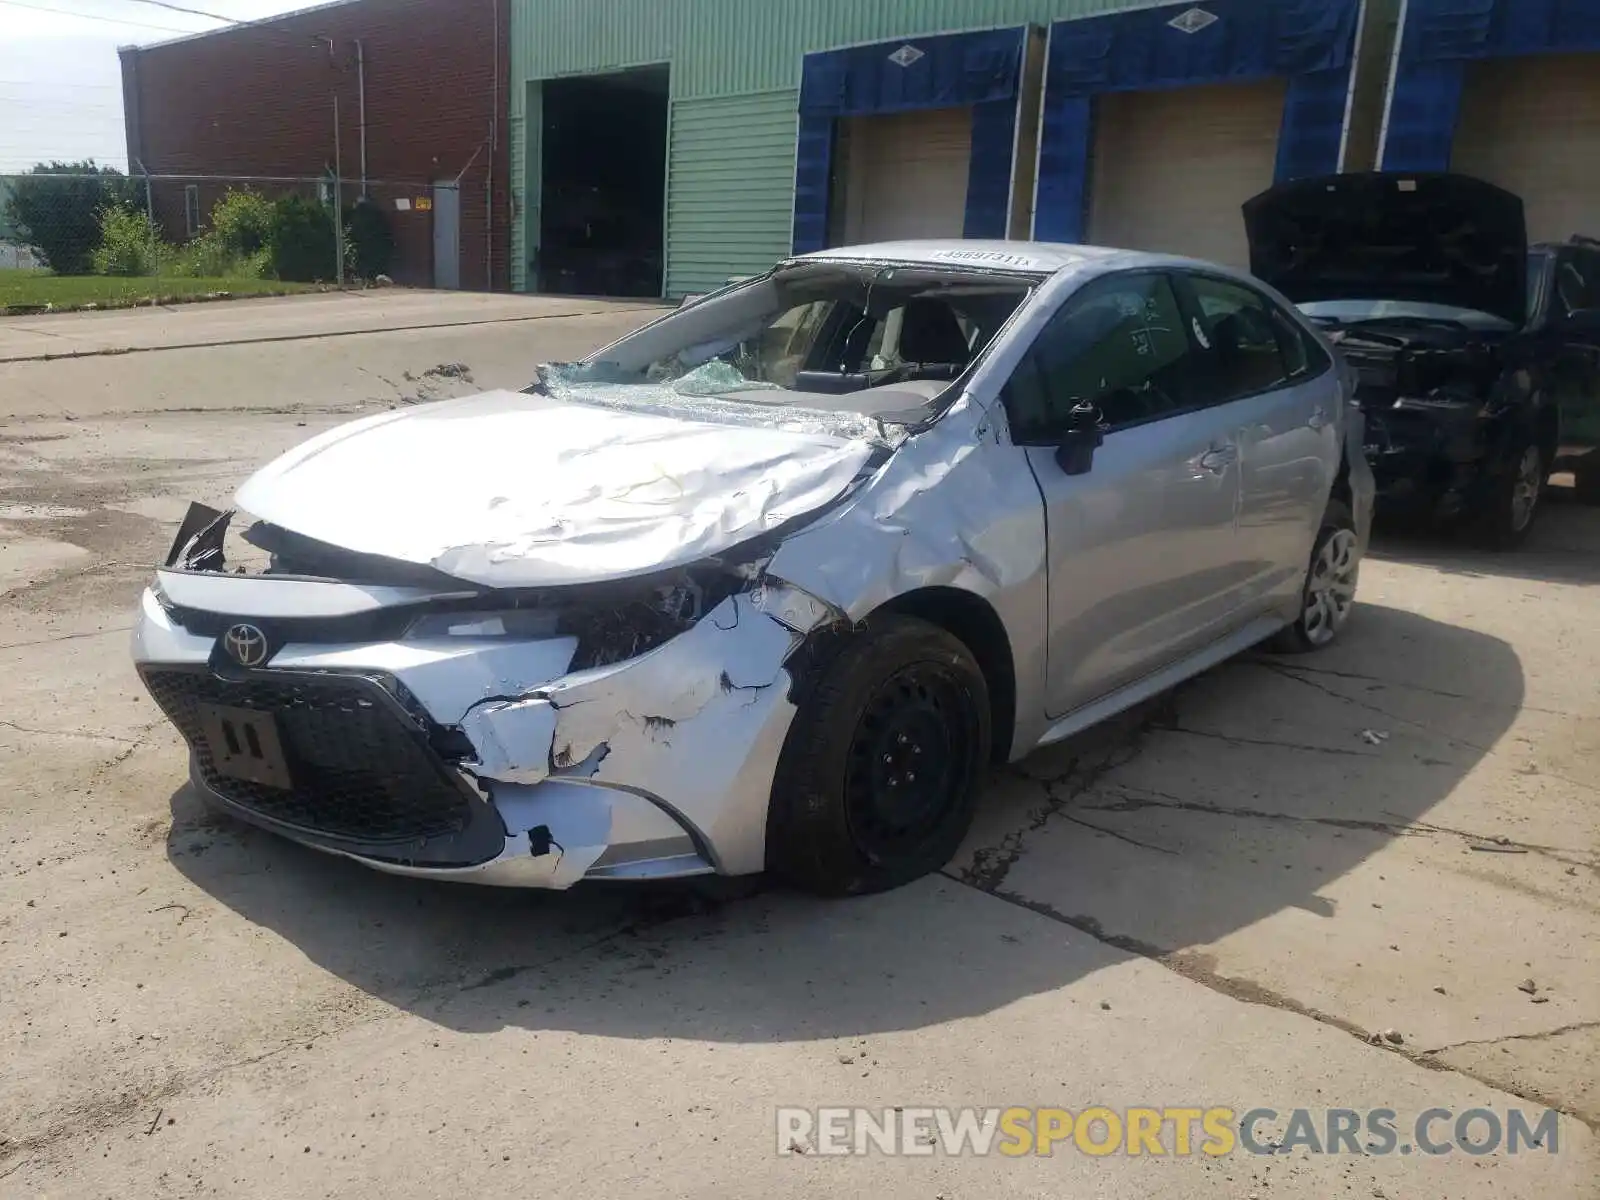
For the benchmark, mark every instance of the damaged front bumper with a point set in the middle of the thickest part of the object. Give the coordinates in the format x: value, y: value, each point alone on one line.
x: 445, y: 748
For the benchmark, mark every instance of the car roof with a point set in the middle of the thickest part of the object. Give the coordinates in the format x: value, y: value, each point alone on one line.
x: 1045, y: 258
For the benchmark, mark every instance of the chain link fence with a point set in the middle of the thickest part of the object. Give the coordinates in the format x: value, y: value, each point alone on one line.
x: 94, y: 238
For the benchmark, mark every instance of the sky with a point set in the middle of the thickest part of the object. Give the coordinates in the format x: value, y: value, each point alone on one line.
x: 61, y: 82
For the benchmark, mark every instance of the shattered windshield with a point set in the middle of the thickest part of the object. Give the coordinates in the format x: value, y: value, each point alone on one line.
x: 867, y: 339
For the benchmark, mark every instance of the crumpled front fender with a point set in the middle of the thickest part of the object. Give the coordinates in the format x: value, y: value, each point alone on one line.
x: 695, y: 726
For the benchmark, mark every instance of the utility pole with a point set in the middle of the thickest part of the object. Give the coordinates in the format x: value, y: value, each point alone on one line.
x: 338, y: 171
x: 338, y: 193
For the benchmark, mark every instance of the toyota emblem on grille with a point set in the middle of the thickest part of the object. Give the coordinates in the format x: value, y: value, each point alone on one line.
x: 246, y: 645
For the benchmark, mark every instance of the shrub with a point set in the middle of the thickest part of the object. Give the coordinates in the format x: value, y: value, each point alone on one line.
x: 57, y: 210
x: 370, y: 241
x: 205, y: 256
x: 242, y: 222
x: 129, y: 244
x: 209, y: 257
x: 301, y: 242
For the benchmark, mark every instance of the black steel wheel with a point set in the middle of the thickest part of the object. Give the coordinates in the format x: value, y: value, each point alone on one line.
x: 880, y: 775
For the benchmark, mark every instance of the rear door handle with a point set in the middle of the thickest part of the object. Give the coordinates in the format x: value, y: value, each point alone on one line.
x: 1319, y: 418
x: 1219, y: 458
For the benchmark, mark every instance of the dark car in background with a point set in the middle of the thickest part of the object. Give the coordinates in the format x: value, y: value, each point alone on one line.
x: 1470, y: 348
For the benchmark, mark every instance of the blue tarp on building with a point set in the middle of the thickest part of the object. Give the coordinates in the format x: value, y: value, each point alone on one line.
x: 980, y: 70
x: 1312, y: 42
x: 1438, y: 41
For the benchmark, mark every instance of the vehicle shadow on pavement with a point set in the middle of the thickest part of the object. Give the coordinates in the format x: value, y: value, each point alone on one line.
x: 1563, y: 547
x: 1243, y: 794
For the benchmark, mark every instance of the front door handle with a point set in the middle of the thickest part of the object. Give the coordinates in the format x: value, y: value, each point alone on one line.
x: 1218, y: 459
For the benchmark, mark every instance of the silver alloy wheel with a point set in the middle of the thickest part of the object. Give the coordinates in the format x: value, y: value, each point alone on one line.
x: 1525, y: 488
x: 1331, y: 588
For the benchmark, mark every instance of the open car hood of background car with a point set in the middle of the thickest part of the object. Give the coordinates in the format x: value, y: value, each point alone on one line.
x: 507, y: 489
x: 1429, y: 238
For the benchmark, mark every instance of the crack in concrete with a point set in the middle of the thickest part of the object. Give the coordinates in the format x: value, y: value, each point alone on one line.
x: 1121, y: 837
x: 1132, y: 802
x: 58, y: 577
x: 1571, y: 858
x: 94, y: 1114
x: 1545, y: 1035
x: 1294, y: 670
x: 68, y: 733
x: 1201, y: 969
x: 1196, y: 967
x: 1238, y: 740
x: 133, y: 747
x: 1289, y: 671
x: 65, y: 637
x: 991, y: 864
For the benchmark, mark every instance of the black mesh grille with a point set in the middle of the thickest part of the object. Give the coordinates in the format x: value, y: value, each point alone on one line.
x: 361, y: 770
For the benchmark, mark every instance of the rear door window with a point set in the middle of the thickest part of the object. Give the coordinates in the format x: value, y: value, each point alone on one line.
x: 1246, y: 344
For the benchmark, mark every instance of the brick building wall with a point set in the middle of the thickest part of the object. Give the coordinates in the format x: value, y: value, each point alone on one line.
x: 258, y: 100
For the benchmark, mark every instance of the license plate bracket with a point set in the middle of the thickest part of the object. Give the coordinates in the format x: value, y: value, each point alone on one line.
x: 245, y: 744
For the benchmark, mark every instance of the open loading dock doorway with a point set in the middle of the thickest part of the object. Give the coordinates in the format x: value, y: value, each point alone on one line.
x: 901, y: 175
x: 604, y: 184
x: 1172, y: 168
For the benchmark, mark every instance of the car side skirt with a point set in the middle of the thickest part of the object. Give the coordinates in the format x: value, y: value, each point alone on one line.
x: 1154, y: 684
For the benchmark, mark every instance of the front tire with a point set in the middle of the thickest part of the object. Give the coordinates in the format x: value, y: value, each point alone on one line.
x: 880, y: 776
x: 1329, y: 593
x: 1506, y: 518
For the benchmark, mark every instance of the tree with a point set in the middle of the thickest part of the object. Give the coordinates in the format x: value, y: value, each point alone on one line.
x: 56, y: 209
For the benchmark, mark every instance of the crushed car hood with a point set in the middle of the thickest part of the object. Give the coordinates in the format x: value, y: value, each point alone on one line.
x: 1427, y: 238
x: 507, y: 489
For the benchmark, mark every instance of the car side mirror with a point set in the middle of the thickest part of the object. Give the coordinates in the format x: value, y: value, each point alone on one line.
x: 1083, y: 436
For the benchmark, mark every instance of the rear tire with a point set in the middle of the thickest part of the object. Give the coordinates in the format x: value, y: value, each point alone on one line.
x: 880, y: 776
x: 1506, y: 517
x: 1328, y: 596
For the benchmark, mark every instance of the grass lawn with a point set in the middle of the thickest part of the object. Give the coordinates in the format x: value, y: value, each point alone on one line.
x: 35, y: 289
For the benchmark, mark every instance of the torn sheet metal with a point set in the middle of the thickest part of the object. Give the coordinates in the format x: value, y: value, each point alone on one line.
x: 512, y: 738
x: 791, y: 606
x: 512, y: 490
x: 945, y: 511
x: 698, y: 723
x: 733, y: 647
x: 695, y: 725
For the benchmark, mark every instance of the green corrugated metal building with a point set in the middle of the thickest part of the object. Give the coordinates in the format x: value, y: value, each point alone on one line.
x: 798, y: 123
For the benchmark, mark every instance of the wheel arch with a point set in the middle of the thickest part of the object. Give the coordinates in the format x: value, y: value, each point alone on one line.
x: 973, y: 620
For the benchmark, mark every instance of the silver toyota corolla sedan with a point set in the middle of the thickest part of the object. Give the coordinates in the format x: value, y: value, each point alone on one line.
x: 770, y: 582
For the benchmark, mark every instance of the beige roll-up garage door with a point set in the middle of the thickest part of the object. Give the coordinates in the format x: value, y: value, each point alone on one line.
x: 1532, y: 125
x: 1171, y: 169
x: 904, y: 175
